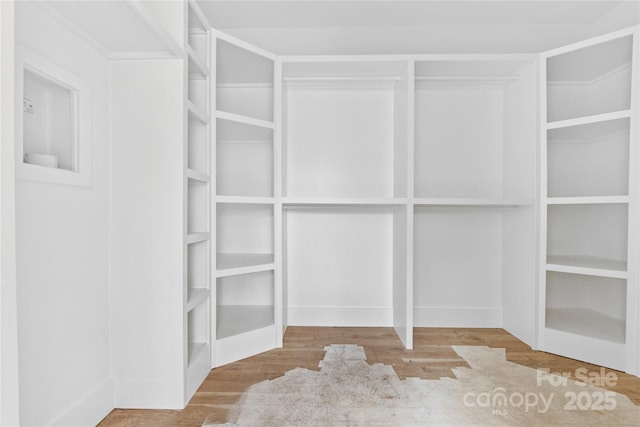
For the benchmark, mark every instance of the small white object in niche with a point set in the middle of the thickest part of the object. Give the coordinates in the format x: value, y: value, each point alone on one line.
x: 53, y: 122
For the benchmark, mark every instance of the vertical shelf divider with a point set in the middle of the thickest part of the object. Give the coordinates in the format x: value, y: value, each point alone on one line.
x: 197, y: 269
x: 247, y: 302
x: 280, y: 304
x: 577, y: 112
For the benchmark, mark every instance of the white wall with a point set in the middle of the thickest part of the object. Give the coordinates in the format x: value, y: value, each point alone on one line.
x: 146, y: 230
x: 340, y: 264
x: 9, y: 405
x: 62, y: 258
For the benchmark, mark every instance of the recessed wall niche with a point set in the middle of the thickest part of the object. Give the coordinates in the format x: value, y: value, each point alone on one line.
x: 49, y: 116
x: 53, y: 122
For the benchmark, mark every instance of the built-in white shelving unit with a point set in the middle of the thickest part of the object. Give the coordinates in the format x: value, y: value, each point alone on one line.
x: 197, y: 183
x: 474, y: 187
x: 245, y: 208
x: 588, y: 292
x: 246, y: 191
x: 345, y: 188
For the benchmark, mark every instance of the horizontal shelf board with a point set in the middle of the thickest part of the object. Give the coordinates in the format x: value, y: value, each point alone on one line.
x: 234, y: 131
x: 469, y: 78
x: 471, y: 67
x: 197, y: 237
x: 197, y: 350
x: 589, y: 133
x: 242, y: 62
x: 588, y: 200
x: 197, y: 69
x: 342, y: 201
x: 237, y: 319
x: 589, y: 119
x: 232, y: 264
x: 196, y: 113
x: 352, y: 83
x: 586, y: 322
x: 197, y: 176
x: 438, y: 82
x: 223, y: 115
x: 575, y: 62
x: 477, y: 202
x: 195, y: 297
x: 300, y: 70
x: 245, y: 200
x: 591, y: 266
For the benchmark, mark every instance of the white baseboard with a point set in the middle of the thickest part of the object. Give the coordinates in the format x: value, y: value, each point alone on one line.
x: 90, y: 409
x: 130, y: 394
x: 457, y: 317
x: 240, y: 346
x: 340, y: 316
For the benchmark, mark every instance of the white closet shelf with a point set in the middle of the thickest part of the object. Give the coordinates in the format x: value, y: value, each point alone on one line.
x: 589, y: 200
x: 197, y: 69
x: 237, y: 132
x: 338, y: 82
x: 195, y: 297
x: 435, y: 82
x: 589, y: 133
x: 255, y: 200
x: 471, y: 202
x: 196, y: 350
x: 589, y: 265
x: 597, y: 118
x: 197, y: 176
x: 468, y: 78
x: 197, y: 237
x: 233, y: 264
x: 586, y: 322
x: 227, y: 261
x: 237, y: 319
x: 197, y: 113
x: 342, y: 201
x: 239, y: 118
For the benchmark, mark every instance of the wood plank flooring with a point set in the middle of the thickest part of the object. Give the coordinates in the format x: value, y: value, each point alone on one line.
x: 431, y: 358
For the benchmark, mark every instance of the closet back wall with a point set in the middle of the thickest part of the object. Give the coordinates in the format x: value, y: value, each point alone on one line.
x: 339, y: 145
x: 62, y: 256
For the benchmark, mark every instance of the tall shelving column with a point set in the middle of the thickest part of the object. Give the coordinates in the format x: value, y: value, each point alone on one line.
x: 588, y: 293
x: 246, y: 295
x: 474, y: 190
x: 345, y: 145
x: 197, y: 226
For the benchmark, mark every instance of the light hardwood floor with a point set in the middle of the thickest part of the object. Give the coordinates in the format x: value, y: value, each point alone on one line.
x: 431, y: 358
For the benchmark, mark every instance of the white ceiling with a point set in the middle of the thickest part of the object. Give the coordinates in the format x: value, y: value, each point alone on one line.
x: 398, y: 13
x: 418, y: 26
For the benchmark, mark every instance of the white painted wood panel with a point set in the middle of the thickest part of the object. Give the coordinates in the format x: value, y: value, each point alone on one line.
x: 340, y: 262
x: 459, y: 134
x: 147, y: 234
x: 458, y: 266
x: 339, y: 143
x: 62, y: 253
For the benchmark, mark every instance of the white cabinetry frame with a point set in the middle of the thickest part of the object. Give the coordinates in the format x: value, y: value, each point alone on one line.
x: 409, y: 190
x: 197, y: 196
x: 588, y: 296
x: 247, y: 292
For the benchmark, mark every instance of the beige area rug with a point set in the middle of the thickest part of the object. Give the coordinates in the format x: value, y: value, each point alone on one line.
x: 493, y: 391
